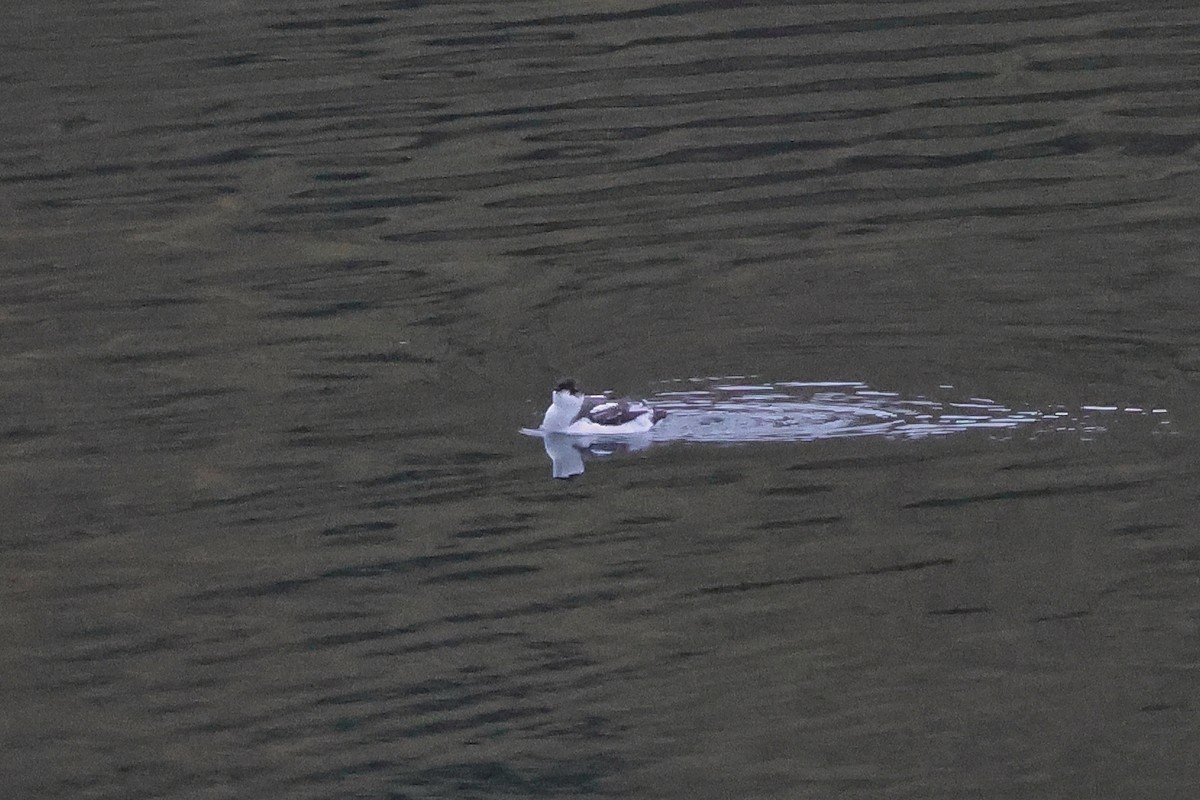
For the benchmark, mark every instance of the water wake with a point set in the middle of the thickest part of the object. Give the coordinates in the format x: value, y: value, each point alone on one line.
x: 718, y: 410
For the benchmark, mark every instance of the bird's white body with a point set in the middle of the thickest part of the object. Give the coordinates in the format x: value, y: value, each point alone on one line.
x: 603, y: 417
x: 563, y: 411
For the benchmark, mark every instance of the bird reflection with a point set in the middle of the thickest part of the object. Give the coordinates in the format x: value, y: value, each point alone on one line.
x: 567, y: 452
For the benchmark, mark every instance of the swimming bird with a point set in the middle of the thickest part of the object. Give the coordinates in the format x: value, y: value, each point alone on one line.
x: 573, y: 412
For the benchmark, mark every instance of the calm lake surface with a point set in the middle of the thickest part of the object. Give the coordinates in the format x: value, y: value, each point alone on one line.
x: 281, y: 281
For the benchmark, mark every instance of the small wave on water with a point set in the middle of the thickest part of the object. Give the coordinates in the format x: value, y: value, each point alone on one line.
x: 736, y: 409
x: 718, y: 410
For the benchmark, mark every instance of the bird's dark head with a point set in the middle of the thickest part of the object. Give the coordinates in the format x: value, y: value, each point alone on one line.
x: 567, y: 385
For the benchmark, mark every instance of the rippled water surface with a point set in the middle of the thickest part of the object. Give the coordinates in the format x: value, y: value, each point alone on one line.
x: 281, y: 282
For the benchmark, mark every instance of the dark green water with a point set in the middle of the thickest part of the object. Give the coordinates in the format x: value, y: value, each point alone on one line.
x: 279, y: 283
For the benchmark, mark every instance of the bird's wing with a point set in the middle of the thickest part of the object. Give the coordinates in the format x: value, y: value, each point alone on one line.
x: 590, y: 402
x: 616, y: 412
